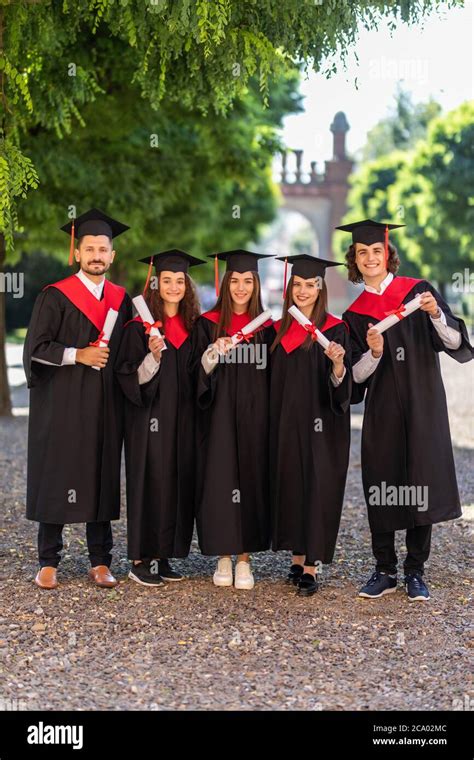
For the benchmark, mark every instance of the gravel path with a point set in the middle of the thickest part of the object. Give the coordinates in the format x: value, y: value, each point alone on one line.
x: 193, y: 646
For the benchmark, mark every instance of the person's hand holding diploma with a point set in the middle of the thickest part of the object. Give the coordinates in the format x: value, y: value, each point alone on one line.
x: 93, y: 356
x: 222, y: 345
x: 336, y: 353
x: 155, y: 345
x: 374, y: 341
x: 429, y: 304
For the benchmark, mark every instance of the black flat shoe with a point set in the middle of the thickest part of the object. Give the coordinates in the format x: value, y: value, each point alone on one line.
x: 166, y: 572
x: 307, y: 585
x: 294, y: 574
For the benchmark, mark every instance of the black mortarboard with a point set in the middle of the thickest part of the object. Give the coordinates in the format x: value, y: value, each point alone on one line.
x: 370, y: 232
x: 92, y: 222
x: 173, y: 260
x: 306, y: 266
x: 238, y: 260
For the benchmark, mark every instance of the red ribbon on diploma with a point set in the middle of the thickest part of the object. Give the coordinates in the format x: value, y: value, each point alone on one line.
x: 311, y: 329
x: 150, y: 325
x: 100, y: 340
x: 241, y: 336
x: 398, y: 312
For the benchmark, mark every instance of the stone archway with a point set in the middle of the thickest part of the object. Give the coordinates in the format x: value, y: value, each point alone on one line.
x: 322, y: 199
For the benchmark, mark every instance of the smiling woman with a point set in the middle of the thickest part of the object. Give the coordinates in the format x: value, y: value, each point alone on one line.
x: 232, y: 422
x: 158, y: 388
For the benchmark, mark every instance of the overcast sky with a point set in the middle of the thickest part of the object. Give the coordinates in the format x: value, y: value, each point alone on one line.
x: 435, y: 60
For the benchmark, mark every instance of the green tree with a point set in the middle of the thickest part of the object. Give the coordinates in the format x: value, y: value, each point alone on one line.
x: 197, y: 54
x: 402, y: 128
x: 369, y: 199
x: 435, y: 189
x: 204, y: 184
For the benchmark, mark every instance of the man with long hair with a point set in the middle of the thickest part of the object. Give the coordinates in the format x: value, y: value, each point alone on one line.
x: 407, y: 458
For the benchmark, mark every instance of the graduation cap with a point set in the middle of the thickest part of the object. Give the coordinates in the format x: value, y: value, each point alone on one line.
x: 238, y: 260
x: 172, y: 260
x: 92, y: 222
x: 369, y: 232
x: 306, y: 266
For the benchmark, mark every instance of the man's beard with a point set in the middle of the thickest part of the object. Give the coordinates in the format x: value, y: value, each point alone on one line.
x: 96, y: 272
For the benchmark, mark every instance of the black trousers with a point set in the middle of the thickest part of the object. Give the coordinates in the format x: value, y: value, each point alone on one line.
x: 99, y: 543
x: 418, y: 542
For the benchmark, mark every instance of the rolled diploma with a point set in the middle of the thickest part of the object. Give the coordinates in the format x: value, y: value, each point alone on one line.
x: 392, y: 319
x: 252, y: 326
x: 107, y: 329
x: 146, y: 315
x: 300, y: 317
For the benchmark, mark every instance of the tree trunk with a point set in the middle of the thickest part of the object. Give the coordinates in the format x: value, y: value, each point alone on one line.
x: 442, y: 289
x: 5, y: 403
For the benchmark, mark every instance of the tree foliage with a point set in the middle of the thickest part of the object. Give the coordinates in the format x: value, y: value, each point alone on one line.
x: 430, y: 189
x: 197, y: 54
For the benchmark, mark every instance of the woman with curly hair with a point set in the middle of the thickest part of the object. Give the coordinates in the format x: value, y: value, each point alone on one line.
x: 159, y: 421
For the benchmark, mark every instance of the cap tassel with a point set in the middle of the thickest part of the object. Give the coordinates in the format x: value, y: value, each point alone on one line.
x: 284, y: 278
x: 216, y: 275
x: 148, y: 277
x: 71, y: 246
x: 386, y: 245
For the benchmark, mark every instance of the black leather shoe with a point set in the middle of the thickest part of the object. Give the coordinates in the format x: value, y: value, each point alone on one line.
x: 294, y: 574
x: 307, y: 585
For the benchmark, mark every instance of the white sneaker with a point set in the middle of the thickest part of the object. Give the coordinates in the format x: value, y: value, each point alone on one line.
x: 223, y: 573
x: 243, y: 575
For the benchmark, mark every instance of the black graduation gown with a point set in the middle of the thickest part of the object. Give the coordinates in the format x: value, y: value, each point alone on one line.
x: 75, y: 430
x: 308, y: 466
x: 405, y: 436
x: 232, y: 511
x: 159, y: 443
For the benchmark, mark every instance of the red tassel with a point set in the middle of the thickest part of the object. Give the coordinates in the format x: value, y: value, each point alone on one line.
x: 284, y: 279
x: 71, y: 246
x: 386, y: 245
x: 216, y: 275
x: 148, y: 277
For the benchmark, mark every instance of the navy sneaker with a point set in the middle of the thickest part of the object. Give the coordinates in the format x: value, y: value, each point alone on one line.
x: 417, y: 590
x: 378, y: 585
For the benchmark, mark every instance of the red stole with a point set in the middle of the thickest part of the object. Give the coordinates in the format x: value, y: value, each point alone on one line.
x: 296, y: 335
x: 174, y: 329
x: 81, y: 297
x: 237, y: 322
x: 377, y: 306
